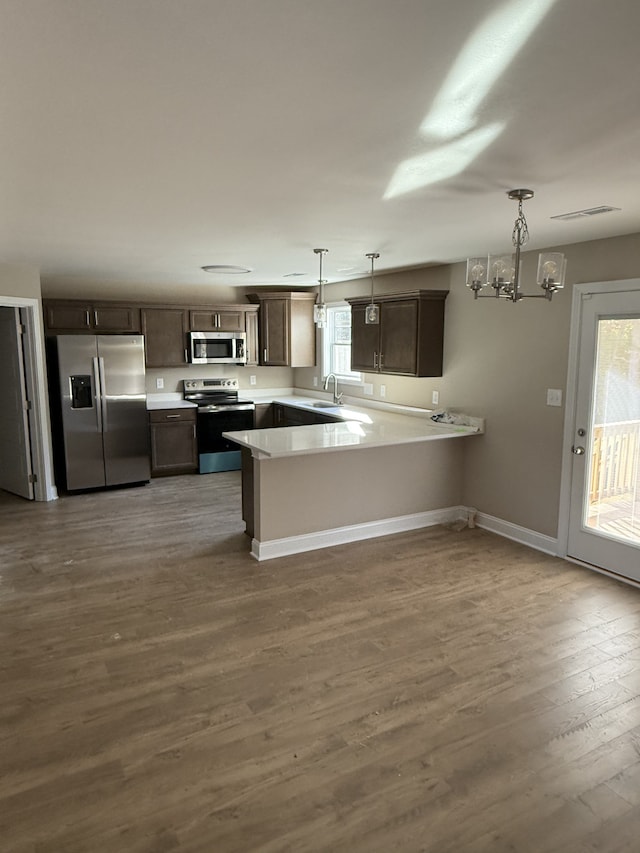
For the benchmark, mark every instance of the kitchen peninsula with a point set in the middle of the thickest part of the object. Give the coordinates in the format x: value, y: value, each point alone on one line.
x: 368, y: 473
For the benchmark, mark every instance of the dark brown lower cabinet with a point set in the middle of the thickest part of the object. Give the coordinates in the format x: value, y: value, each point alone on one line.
x: 284, y: 416
x: 174, y: 448
x: 263, y: 416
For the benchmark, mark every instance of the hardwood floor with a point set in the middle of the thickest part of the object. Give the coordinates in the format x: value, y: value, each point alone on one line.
x: 438, y: 691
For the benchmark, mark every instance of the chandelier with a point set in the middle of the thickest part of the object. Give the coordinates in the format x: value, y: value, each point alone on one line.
x: 502, y: 272
x: 320, y: 309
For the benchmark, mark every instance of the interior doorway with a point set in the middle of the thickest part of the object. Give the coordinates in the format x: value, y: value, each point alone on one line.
x: 37, y: 414
x: 603, y: 483
x: 16, y: 464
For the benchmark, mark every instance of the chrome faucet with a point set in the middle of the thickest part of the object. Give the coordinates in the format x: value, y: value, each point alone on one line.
x: 337, y: 398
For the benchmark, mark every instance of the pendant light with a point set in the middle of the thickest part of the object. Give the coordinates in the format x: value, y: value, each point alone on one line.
x: 502, y: 272
x: 320, y: 309
x: 372, y: 311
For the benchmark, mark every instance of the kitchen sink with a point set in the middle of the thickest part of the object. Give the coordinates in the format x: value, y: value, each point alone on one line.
x: 322, y: 405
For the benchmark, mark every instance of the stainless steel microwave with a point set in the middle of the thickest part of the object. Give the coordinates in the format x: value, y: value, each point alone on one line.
x: 218, y: 347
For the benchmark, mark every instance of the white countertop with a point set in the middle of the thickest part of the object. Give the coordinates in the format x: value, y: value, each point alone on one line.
x: 167, y: 401
x: 362, y: 427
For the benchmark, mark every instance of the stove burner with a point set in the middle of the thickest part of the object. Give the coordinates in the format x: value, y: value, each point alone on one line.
x: 213, y: 395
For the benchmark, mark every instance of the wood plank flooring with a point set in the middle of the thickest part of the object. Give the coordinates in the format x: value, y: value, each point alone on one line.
x: 436, y: 691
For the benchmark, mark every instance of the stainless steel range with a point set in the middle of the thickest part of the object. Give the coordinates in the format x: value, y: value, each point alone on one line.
x: 219, y: 410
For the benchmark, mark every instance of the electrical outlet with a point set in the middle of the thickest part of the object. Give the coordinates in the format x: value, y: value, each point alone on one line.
x: 554, y: 397
x: 315, y: 381
x: 159, y: 383
x: 252, y: 380
x: 367, y: 388
x: 383, y: 390
x: 435, y: 398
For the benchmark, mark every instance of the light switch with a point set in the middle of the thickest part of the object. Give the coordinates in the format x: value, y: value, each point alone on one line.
x: 554, y: 397
x: 159, y: 383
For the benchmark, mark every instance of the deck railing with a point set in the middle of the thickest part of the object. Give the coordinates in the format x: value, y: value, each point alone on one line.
x: 614, y: 460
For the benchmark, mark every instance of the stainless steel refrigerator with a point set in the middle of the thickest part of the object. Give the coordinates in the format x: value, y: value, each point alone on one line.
x: 103, y: 414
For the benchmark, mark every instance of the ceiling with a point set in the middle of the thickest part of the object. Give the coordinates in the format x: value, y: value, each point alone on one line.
x: 143, y: 139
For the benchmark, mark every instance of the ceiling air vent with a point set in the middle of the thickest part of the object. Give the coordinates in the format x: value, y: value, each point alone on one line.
x: 590, y: 211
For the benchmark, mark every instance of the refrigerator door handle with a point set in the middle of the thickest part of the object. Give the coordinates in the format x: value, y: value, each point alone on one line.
x: 97, y: 393
x: 103, y: 395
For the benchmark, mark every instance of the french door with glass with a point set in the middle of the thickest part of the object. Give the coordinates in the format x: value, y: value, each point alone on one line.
x: 604, y: 513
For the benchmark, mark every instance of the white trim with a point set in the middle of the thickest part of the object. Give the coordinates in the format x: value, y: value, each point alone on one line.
x: 546, y: 544
x: 578, y: 293
x: 606, y: 572
x: 354, y: 532
x: 356, y: 378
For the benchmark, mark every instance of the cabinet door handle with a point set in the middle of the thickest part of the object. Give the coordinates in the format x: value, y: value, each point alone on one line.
x: 264, y: 354
x: 194, y: 430
x: 87, y: 319
x: 375, y: 360
x: 95, y: 319
x: 186, y: 357
x: 169, y: 417
x: 380, y: 362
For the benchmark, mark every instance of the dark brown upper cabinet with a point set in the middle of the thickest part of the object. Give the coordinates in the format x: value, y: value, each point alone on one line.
x: 70, y: 316
x: 227, y: 319
x: 409, y: 339
x: 165, y: 336
x: 287, y: 330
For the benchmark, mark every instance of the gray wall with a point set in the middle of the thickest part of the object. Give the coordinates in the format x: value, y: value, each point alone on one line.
x: 298, y: 495
x: 19, y: 280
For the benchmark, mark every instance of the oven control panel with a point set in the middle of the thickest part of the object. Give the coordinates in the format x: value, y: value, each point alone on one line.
x: 211, y: 384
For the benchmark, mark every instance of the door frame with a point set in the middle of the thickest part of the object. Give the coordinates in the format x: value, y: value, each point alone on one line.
x: 35, y: 376
x: 579, y: 291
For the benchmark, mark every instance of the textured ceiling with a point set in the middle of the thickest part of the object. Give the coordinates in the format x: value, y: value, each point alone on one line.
x: 143, y: 139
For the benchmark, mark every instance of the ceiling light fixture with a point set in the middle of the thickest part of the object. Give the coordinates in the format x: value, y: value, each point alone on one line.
x: 226, y: 269
x: 502, y: 272
x: 320, y: 309
x: 372, y: 311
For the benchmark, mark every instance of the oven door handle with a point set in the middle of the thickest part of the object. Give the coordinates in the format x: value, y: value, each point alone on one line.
x: 240, y: 407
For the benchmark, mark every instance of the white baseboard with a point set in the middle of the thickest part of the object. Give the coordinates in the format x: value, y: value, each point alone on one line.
x: 269, y: 549
x: 539, y: 541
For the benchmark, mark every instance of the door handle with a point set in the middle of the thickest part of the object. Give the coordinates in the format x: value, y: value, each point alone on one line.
x: 579, y: 451
x: 103, y: 394
x: 97, y: 393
